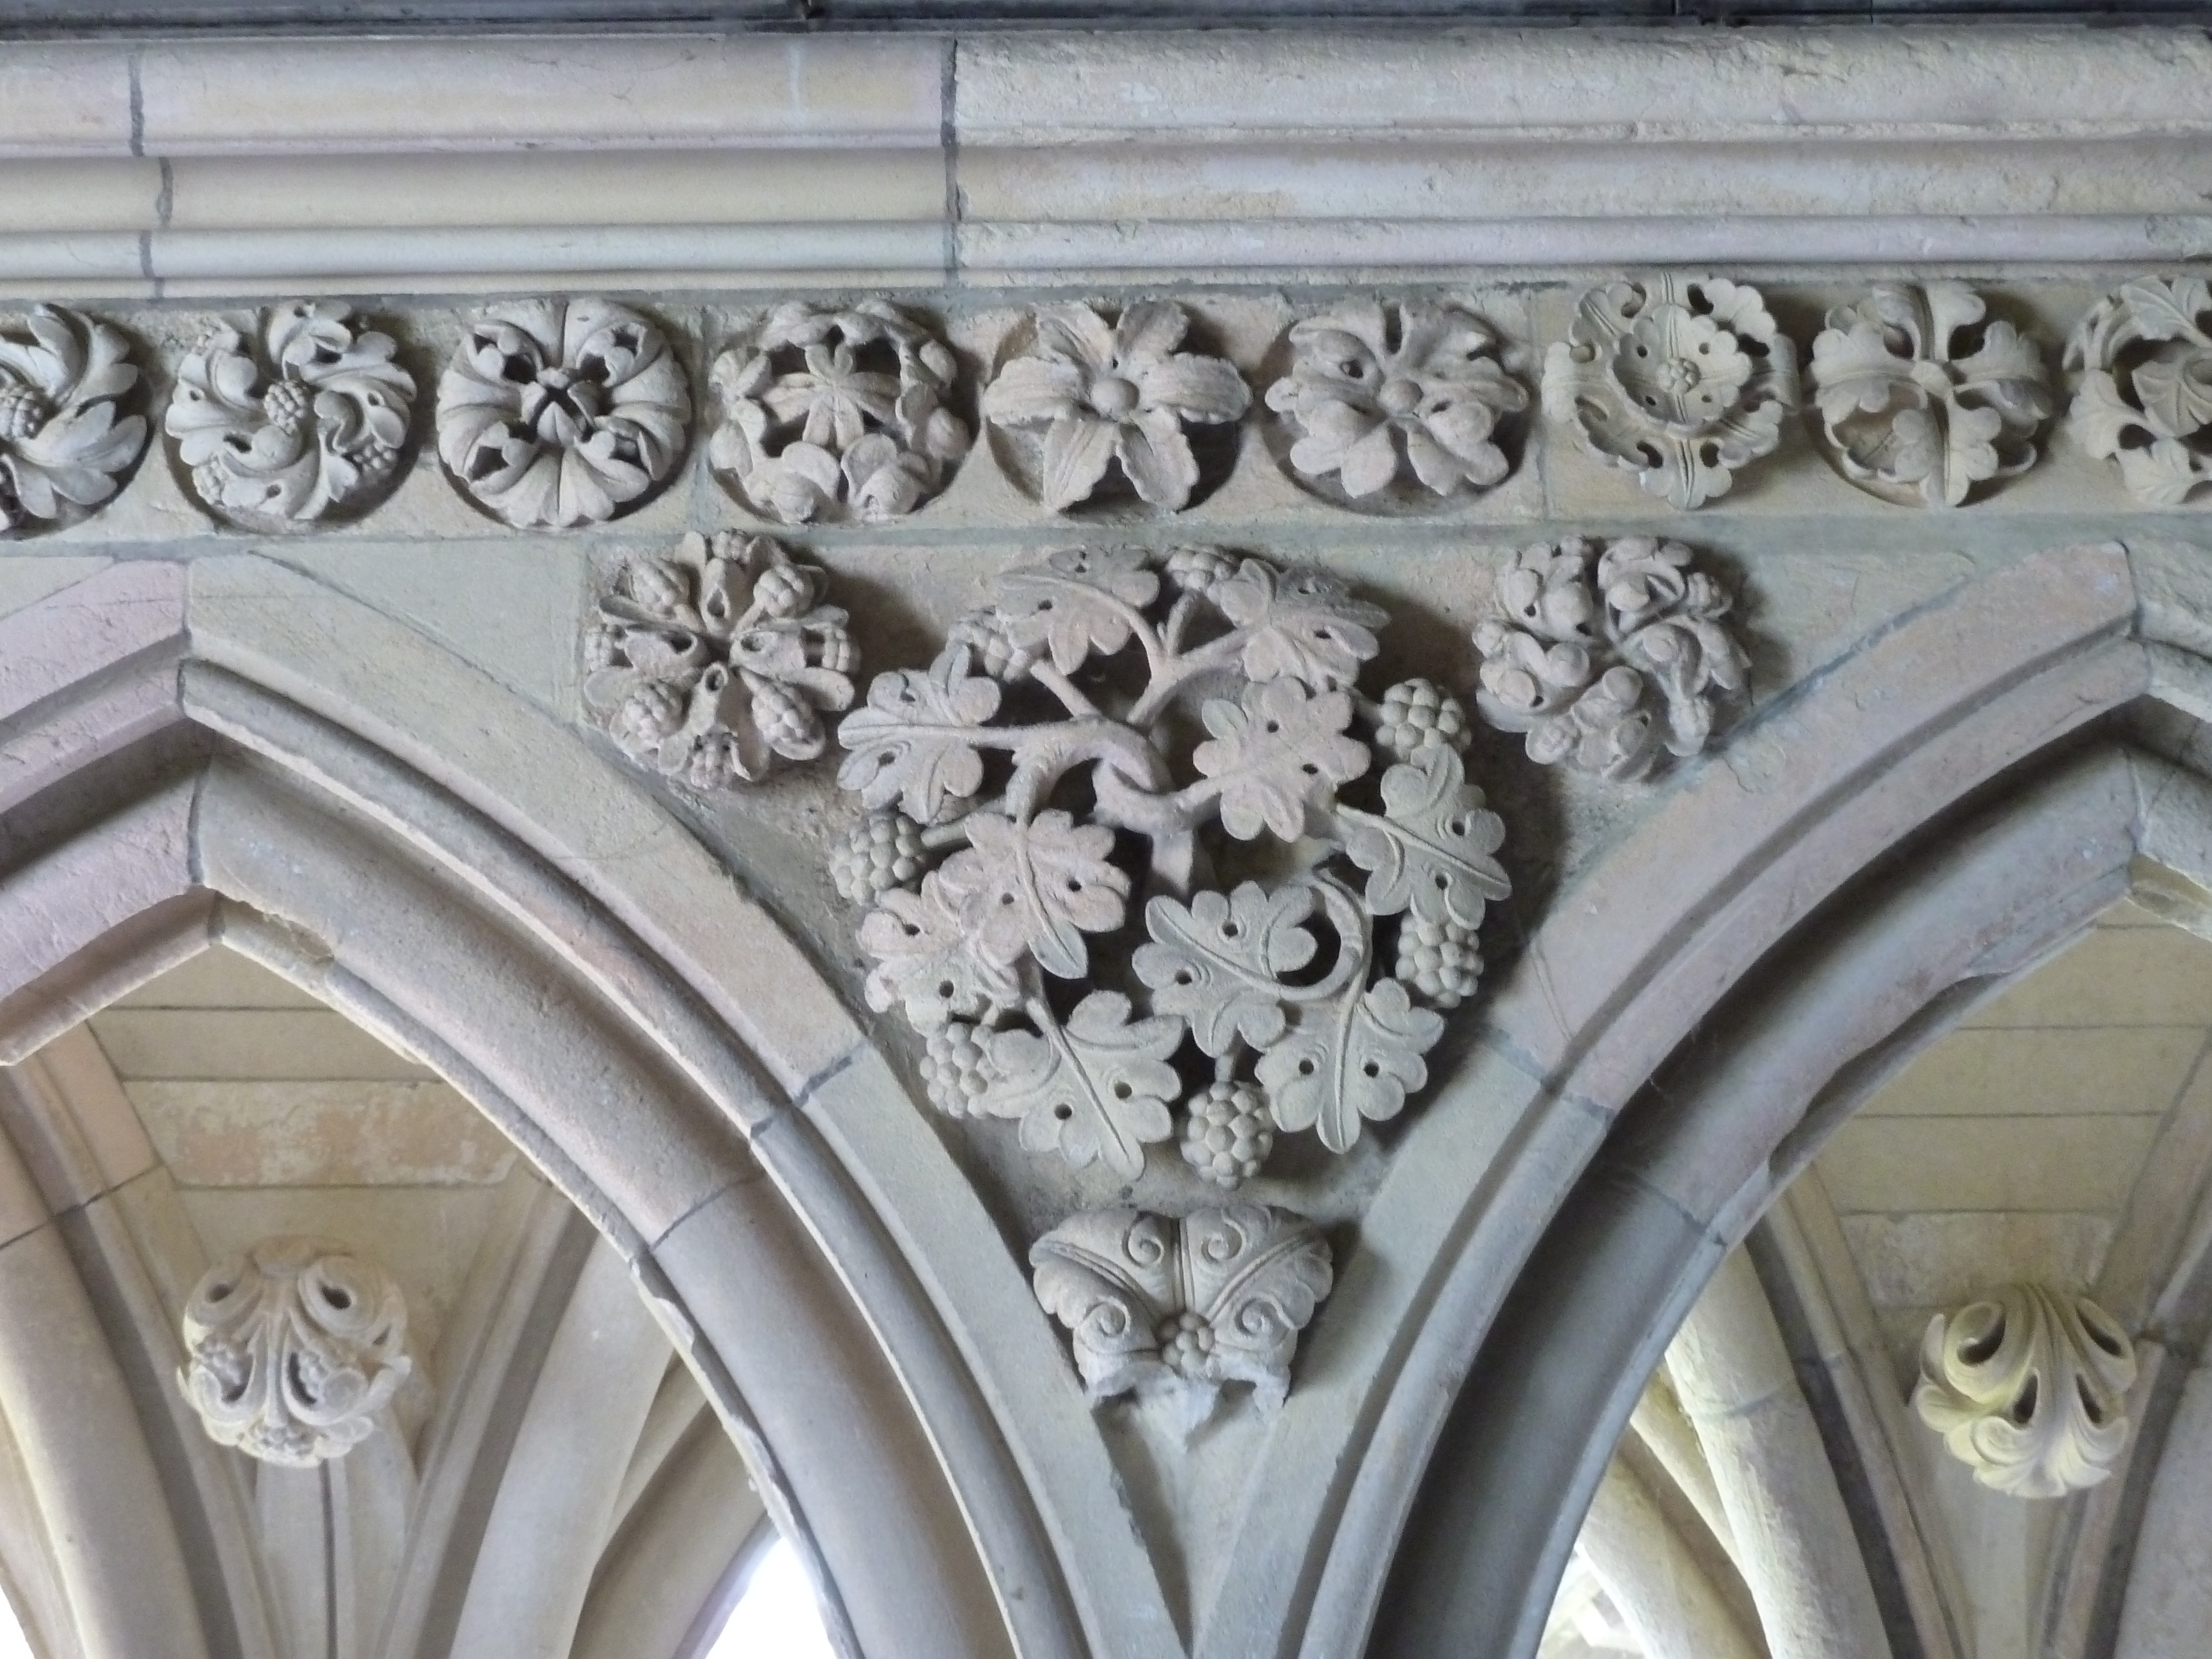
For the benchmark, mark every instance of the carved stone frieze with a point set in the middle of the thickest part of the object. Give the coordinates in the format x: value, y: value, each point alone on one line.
x: 1396, y: 402
x: 2145, y: 399
x: 292, y: 1349
x: 1921, y: 399
x: 1608, y: 655
x: 558, y: 413
x: 1114, y: 394
x: 1681, y: 380
x: 2028, y: 1388
x: 835, y: 413
x: 64, y: 439
x: 999, y: 777
x: 305, y: 418
x: 1176, y: 1309
x: 717, y: 664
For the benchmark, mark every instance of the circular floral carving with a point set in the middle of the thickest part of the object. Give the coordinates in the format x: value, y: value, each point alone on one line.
x: 832, y: 414
x: 1117, y: 394
x: 713, y: 665
x: 1606, y: 656
x: 2145, y: 400
x: 556, y: 413
x: 305, y: 419
x: 1388, y: 396
x: 65, y: 441
x: 1679, y: 379
x: 293, y: 1348
x: 1919, y: 400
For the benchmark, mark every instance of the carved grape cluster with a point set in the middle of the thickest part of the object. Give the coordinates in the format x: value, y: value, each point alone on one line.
x: 1115, y: 740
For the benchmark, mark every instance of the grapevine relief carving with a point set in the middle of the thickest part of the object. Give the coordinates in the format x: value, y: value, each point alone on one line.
x: 2028, y: 1388
x: 1396, y: 400
x: 1608, y: 655
x: 65, y: 442
x: 717, y: 664
x: 557, y: 413
x: 292, y: 1349
x: 1114, y: 394
x: 1920, y: 399
x: 306, y: 417
x: 2145, y: 400
x: 1681, y: 380
x: 831, y: 413
x: 1175, y: 1310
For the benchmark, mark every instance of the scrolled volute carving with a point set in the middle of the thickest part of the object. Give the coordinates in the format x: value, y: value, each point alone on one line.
x: 1608, y: 655
x: 1396, y: 401
x: 716, y: 665
x: 1117, y: 393
x: 2028, y: 1388
x: 292, y: 1349
x: 2145, y: 399
x: 833, y: 413
x: 1681, y: 380
x: 1175, y: 1310
x: 556, y: 413
x: 1204, y: 710
x: 65, y: 441
x: 305, y: 418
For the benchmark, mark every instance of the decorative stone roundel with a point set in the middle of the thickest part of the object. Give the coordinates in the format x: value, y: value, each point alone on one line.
x: 557, y: 413
x: 1007, y: 781
x: 304, y: 419
x: 2029, y: 1389
x: 715, y: 666
x: 2145, y: 401
x: 831, y: 413
x: 292, y: 1349
x: 1920, y: 400
x: 1608, y: 655
x: 65, y: 441
x: 1679, y: 379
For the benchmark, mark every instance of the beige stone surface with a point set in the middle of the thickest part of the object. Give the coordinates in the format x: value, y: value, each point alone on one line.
x: 320, y: 1133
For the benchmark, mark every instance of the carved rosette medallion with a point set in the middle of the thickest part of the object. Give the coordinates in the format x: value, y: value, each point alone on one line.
x: 303, y: 419
x: 1920, y: 399
x: 65, y: 441
x: 1119, y: 394
x: 1681, y: 380
x: 1608, y: 655
x: 716, y: 666
x: 1176, y: 1309
x: 2145, y: 399
x: 1206, y: 709
x: 835, y: 414
x: 2028, y: 1388
x: 558, y: 413
x: 1396, y: 403
x: 292, y: 1350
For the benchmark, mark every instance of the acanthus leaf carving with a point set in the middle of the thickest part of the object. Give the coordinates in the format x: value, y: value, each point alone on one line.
x: 64, y: 440
x: 2145, y: 397
x: 2028, y: 1388
x: 292, y: 1349
x: 1176, y: 1309
x: 1682, y: 380
x: 303, y: 419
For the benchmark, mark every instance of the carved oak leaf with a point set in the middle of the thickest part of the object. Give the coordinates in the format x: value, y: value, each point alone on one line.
x: 1355, y: 1056
x: 926, y: 959
x: 1095, y: 1088
x: 1217, y: 961
x: 1080, y: 601
x: 1274, y: 752
x: 1430, y: 850
x: 1301, y: 624
x: 911, y: 744
x: 1036, y: 888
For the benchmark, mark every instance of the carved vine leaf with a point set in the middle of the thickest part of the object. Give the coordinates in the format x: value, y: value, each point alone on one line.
x: 1095, y: 1088
x: 913, y: 743
x: 1354, y: 1056
x: 1430, y: 849
x: 928, y: 961
x: 1035, y: 889
x: 1275, y: 752
x: 1300, y: 624
x: 65, y: 441
x: 1174, y: 1310
x: 1080, y: 602
x: 1218, y: 961
x: 2145, y: 397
